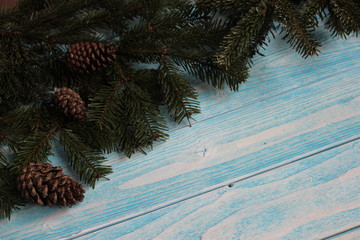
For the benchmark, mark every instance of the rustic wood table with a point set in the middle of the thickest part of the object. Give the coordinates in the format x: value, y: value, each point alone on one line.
x: 280, y: 159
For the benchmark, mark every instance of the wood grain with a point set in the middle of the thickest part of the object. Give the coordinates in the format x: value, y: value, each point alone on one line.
x: 309, y: 199
x: 289, y: 110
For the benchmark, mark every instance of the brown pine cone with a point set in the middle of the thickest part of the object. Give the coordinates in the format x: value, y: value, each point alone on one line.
x: 70, y: 104
x: 46, y: 185
x: 89, y: 57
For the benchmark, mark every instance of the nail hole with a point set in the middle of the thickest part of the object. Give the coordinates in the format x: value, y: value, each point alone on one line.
x: 230, y: 185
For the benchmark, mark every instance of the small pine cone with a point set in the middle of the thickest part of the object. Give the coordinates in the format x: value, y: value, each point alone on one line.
x: 46, y: 185
x: 89, y: 57
x: 70, y: 104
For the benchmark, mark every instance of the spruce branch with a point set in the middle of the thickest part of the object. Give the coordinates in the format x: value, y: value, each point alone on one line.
x: 344, y: 18
x: 85, y: 24
x: 36, y: 147
x: 235, y: 43
x: 196, y: 63
x: 86, y: 162
x: 9, y: 201
x: 311, y: 10
x: 209, y: 72
x: 24, y: 121
x: 104, y: 109
x: 6, y: 141
x: 297, y: 35
x: 184, y: 103
x: 3, y: 159
x: 143, y: 122
x: 227, y: 6
x: 101, y: 140
x: 9, y: 196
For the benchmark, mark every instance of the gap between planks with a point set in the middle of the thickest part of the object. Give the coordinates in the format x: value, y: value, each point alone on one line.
x: 226, y: 184
x: 342, y: 233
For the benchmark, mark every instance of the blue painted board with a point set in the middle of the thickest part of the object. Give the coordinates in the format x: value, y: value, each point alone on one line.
x: 289, y: 110
x: 314, y: 198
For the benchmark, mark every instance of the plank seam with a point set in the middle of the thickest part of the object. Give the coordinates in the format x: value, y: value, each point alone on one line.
x: 340, y: 233
x: 228, y: 184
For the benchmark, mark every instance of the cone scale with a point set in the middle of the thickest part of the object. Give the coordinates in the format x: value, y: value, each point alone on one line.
x: 46, y: 185
x: 70, y: 104
x: 89, y: 57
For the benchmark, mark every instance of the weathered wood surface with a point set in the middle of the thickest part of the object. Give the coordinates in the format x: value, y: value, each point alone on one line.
x: 289, y: 140
x: 309, y: 199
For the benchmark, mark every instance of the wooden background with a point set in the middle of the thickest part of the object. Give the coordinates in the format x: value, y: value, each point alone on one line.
x: 277, y: 160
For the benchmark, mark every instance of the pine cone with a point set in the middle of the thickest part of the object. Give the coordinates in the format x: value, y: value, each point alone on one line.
x: 89, y: 57
x: 46, y: 185
x: 70, y: 104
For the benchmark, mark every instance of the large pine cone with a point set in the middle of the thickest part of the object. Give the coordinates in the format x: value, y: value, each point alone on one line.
x: 46, y: 185
x: 70, y: 104
x: 89, y: 57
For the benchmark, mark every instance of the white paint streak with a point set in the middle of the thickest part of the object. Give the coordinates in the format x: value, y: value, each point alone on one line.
x: 56, y: 217
x: 256, y: 199
x: 238, y: 148
x: 304, y: 210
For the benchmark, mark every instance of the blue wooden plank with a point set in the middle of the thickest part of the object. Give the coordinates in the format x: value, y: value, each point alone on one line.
x: 310, y: 199
x: 290, y: 108
x: 299, y: 123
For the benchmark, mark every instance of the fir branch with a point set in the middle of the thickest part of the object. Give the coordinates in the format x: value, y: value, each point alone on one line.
x: 6, y: 141
x: 104, y: 108
x: 9, y: 196
x: 260, y: 40
x: 297, y: 35
x: 35, y: 148
x: 344, y: 18
x: 39, y: 20
x: 86, y: 162
x: 127, y: 9
x: 162, y: 25
x: 211, y: 73
x: 82, y: 27
x: 103, y: 140
x: 182, y: 104
x: 23, y: 121
x: 144, y: 123
x: 311, y: 11
x: 23, y: 117
x: 236, y: 41
x: 3, y: 159
x: 227, y: 6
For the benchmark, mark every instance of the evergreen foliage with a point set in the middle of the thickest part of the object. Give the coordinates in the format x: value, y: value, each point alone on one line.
x: 155, y: 42
x: 160, y: 45
x: 9, y: 196
x: 249, y: 24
